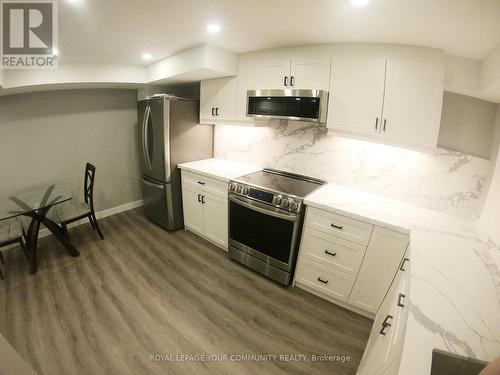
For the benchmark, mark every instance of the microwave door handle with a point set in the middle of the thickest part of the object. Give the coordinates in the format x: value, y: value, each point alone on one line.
x: 145, y: 137
x: 255, y: 207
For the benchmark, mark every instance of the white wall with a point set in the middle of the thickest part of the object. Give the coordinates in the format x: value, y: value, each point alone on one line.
x: 47, y: 137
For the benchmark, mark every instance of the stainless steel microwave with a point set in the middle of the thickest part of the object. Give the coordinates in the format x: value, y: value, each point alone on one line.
x: 288, y: 104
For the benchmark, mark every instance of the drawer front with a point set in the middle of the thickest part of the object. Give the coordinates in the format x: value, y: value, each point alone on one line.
x: 208, y: 184
x: 324, y: 279
x: 332, y: 251
x: 340, y: 226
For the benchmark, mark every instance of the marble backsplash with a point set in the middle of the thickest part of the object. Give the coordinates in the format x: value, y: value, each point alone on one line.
x: 447, y: 181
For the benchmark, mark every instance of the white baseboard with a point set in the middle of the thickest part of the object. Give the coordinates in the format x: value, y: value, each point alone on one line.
x: 101, y: 214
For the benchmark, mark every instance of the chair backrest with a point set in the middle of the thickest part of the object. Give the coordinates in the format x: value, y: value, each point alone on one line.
x: 88, y: 192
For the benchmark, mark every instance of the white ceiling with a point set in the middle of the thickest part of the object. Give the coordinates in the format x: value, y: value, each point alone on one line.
x: 120, y: 31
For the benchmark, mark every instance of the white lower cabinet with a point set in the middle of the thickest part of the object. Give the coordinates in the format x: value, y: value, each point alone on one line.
x: 348, y: 261
x: 383, y: 352
x: 383, y: 255
x: 205, y: 207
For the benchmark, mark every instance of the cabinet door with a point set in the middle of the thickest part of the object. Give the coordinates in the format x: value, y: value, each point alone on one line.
x: 208, y: 97
x: 273, y: 73
x: 215, y: 215
x: 192, y: 207
x: 413, y: 101
x: 310, y: 73
x: 376, y: 357
x: 356, y: 95
x: 226, y: 99
x: 381, y: 262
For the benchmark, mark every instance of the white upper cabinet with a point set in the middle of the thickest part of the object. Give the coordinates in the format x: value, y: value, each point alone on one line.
x: 357, y: 95
x: 389, y: 93
x: 395, y: 98
x: 218, y: 99
x: 273, y: 73
x: 310, y: 72
x: 413, y: 101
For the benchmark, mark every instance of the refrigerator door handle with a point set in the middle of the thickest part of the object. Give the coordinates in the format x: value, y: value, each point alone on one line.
x: 145, y: 142
x: 157, y: 186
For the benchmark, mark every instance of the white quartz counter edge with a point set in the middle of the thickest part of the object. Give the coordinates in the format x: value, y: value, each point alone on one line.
x: 219, y: 169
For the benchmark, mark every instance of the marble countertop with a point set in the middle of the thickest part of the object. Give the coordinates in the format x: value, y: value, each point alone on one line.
x: 219, y: 169
x: 455, y: 276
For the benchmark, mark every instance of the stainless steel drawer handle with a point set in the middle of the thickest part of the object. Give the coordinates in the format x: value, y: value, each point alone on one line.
x: 199, y: 198
x: 339, y: 227
x: 329, y: 253
x: 401, y: 299
x: 376, y: 123
x: 402, y: 268
x: 322, y: 281
x: 203, y: 199
x: 201, y: 182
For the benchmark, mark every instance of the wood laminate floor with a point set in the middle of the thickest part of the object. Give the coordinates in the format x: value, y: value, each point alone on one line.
x: 143, y: 291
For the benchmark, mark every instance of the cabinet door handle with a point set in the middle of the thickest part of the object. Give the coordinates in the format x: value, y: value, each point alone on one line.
x: 401, y: 299
x: 217, y: 111
x: 339, y: 227
x: 332, y: 254
x: 385, y: 123
x: 203, y: 199
x: 201, y: 182
x: 386, y: 321
x: 213, y: 110
x: 402, y: 268
x: 285, y: 81
x: 385, y: 324
x: 322, y: 281
x: 376, y: 123
x: 292, y: 79
x: 199, y: 198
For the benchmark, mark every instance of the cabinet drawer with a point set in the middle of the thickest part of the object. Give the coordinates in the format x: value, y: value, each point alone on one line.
x: 331, y: 251
x: 324, y: 279
x: 208, y: 184
x: 340, y: 226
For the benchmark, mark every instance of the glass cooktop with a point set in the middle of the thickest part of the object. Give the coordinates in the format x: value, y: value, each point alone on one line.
x: 282, y: 182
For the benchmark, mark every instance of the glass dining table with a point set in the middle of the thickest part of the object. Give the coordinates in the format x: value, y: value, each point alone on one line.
x: 35, y: 204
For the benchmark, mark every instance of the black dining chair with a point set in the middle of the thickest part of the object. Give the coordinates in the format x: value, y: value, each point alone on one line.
x: 72, y: 212
x: 10, y: 233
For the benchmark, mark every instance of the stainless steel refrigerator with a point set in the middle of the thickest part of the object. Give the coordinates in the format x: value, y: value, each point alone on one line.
x: 169, y: 134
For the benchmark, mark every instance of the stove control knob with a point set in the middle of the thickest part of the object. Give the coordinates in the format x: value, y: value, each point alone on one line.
x: 287, y: 203
x: 277, y: 200
x: 294, y: 205
x: 245, y: 190
x: 238, y: 189
x: 232, y: 187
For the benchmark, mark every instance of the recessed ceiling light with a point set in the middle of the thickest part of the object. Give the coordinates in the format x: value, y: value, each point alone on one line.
x: 359, y: 3
x: 213, y: 28
x: 147, y: 56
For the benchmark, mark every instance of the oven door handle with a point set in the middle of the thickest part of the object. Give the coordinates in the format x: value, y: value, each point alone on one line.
x: 255, y: 206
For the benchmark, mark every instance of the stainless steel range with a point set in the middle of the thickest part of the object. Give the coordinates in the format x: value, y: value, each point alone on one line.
x: 266, y: 212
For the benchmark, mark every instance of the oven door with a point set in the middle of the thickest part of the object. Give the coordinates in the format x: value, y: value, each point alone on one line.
x: 265, y: 232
